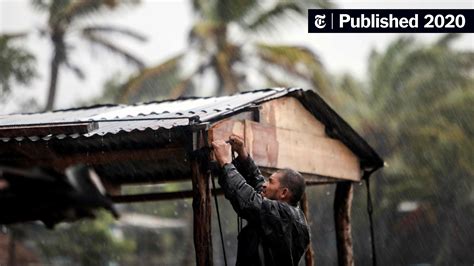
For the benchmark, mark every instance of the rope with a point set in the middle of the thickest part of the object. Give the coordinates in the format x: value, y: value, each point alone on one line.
x: 219, y: 219
x: 370, y: 210
x: 239, y: 219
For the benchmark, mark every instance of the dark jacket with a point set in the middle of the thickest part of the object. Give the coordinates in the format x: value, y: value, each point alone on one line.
x: 276, y: 232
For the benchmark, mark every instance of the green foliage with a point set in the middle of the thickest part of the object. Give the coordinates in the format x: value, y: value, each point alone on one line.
x: 17, y: 65
x: 88, y: 242
x: 419, y: 110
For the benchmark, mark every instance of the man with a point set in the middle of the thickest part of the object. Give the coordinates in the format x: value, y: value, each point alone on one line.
x: 276, y: 231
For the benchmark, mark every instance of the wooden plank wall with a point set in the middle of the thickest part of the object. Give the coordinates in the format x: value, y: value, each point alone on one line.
x: 289, y: 136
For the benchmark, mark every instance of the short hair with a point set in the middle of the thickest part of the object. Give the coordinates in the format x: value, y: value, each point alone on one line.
x: 295, y: 182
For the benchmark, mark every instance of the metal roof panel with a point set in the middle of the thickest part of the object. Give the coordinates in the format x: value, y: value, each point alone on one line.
x: 153, y: 115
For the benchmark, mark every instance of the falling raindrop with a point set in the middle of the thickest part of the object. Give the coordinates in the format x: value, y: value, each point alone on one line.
x: 102, y: 144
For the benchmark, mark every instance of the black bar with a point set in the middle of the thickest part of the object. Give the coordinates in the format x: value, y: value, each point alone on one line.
x: 391, y: 20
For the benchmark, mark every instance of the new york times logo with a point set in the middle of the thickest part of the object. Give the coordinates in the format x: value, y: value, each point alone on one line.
x: 391, y: 20
x: 319, y: 21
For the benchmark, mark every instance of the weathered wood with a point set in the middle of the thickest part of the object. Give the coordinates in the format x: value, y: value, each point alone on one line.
x: 309, y: 255
x: 289, y: 113
x: 225, y: 128
x: 202, y: 215
x: 342, y: 221
x: 158, y: 196
x: 276, y: 147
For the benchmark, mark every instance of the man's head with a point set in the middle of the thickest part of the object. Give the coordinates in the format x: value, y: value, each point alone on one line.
x: 285, y: 185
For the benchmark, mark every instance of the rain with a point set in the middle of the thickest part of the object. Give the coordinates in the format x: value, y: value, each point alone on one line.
x: 105, y: 79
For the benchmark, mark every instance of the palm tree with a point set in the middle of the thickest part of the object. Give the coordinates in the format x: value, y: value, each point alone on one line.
x: 64, y: 18
x: 215, y: 51
x: 17, y: 65
x: 419, y: 104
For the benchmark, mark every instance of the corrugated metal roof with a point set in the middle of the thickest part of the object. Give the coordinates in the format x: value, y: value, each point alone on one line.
x: 171, y: 114
x: 154, y: 115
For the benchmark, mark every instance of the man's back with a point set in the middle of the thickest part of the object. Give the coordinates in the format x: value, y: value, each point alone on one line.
x: 276, y: 232
x: 281, y: 238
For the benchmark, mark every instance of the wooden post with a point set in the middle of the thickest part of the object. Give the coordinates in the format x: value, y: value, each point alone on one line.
x: 309, y: 255
x: 342, y: 221
x: 202, y: 215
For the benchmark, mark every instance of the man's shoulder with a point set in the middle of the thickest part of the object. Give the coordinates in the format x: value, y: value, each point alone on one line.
x: 282, y: 209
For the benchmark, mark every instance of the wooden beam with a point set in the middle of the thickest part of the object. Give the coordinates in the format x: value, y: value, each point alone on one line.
x: 342, y: 221
x: 309, y: 255
x: 158, y: 196
x: 202, y: 215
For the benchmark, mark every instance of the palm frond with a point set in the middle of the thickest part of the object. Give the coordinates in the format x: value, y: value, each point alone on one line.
x: 17, y: 65
x: 271, y: 81
x: 108, y: 45
x: 288, y: 55
x: 234, y: 11
x: 11, y: 36
x: 197, y: 5
x: 447, y: 39
x: 296, y: 60
x: 133, y: 86
x: 267, y: 19
x: 317, y: 4
x: 383, y: 66
x: 77, y: 70
x: 114, y: 30
x: 81, y: 7
x: 180, y: 89
x: 203, y: 30
x: 40, y: 4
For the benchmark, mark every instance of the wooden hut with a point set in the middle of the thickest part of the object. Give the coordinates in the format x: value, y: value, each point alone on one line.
x: 169, y: 141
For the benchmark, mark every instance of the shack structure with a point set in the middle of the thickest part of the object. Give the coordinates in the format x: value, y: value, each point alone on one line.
x: 169, y: 141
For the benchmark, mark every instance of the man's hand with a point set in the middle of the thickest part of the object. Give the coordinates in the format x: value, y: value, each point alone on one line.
x: 238, y: 146
x: 222, y: 151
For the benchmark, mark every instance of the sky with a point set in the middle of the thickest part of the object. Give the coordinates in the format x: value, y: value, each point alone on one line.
x: 166, y: 24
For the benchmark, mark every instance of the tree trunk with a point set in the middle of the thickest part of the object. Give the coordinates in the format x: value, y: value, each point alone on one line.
x: 223, y: 63
x: 342, y: 221
x: 202, y: 216
x: 57, y: 40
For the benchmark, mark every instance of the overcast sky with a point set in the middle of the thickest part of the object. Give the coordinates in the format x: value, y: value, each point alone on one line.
x: 167, y: 23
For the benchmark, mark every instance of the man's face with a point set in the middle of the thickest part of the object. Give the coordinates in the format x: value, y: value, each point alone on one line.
x: 272, y: 188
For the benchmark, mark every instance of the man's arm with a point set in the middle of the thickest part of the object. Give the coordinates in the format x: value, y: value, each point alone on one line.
x: 245, y: 164
x: 250, y: 172
x: 244, y: 198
